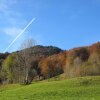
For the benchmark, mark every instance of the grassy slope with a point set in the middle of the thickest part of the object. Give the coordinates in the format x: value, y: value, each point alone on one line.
x: 87, y: 88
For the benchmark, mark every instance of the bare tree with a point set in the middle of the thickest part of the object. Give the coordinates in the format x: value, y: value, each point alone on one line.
x: 24, y: 60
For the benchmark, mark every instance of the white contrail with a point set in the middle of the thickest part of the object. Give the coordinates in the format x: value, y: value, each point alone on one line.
x: 19, y: 34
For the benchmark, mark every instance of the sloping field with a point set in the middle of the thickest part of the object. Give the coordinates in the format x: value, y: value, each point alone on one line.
x: 86, y: 88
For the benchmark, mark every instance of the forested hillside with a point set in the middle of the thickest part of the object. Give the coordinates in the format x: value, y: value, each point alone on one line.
x: 39, y: 63
x: 12, y: 68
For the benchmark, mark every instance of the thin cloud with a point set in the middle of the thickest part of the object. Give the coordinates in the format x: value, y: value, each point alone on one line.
x: 20, y: 34
x: 5, y: 5
x: 8, y: 15
x: 11, y: 19
x: 12, y: 31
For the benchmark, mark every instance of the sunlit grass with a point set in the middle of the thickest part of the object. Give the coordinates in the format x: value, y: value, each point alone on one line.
x: 86, y: 88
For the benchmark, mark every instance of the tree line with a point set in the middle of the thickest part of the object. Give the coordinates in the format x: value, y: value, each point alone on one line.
x: 33, y: 63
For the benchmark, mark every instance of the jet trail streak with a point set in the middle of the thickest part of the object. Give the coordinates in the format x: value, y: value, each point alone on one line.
x: 19, y: 34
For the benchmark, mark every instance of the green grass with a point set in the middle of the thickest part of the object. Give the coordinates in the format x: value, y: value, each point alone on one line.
x: 86, y: 88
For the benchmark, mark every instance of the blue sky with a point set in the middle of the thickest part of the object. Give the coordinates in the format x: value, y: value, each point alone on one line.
x: 63, y: 23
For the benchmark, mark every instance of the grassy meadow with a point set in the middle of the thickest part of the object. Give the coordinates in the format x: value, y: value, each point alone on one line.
x: 82, y: 88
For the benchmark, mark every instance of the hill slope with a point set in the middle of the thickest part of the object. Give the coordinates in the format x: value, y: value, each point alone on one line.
x: 86, y: 88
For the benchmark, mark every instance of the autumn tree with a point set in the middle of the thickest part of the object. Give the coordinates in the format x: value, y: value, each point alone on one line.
x: 53, y: 65
x: 8, y: 67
